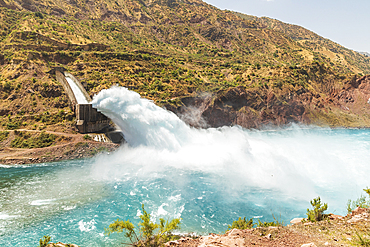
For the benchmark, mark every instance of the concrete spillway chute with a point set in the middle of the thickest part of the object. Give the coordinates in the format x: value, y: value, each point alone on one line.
x: 88, y: 119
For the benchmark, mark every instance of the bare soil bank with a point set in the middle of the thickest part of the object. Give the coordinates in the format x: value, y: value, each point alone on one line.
x: 337, y: 231
x: 66, y: 146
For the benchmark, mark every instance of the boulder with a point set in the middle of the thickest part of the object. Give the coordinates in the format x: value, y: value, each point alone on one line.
x: 296, y: 221
x: 359, y: 217
x: 359, y: 210
x: 335, y: 217
x: 235, y: 232
x: 308, y: 223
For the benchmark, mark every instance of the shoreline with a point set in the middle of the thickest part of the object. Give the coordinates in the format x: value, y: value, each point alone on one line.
x: 75, y: 146
x: 66, y: 147
x: 59, y: 153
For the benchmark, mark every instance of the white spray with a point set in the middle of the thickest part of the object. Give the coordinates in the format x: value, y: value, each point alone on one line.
x: 299, y: 163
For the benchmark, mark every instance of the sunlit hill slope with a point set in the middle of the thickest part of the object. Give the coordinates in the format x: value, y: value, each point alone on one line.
x: 254, y: 71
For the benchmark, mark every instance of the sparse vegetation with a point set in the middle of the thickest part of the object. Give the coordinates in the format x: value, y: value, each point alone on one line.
x: 45, y: 241
x: 165, y: 63
x: 361, y: 202
x: 87, y: 137
x: 269, y: 223
x: 241, y: 224
x: 362, y: 240
x: 3, y: 135
x: 149, y: 233
x: 26, y: 140
x: 317, y: 213
x: 81, y: 145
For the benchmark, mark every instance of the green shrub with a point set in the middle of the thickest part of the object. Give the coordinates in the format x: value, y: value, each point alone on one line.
x: 81, y: 144
x: 87, y: 137
x: 3, y: 135
x: 7, y: 86
x: 241, y: 224
x: 39, y: 15
x: 316, y: 214
x: 248, y: 224
x: 150, y: 234
x: 45, y: 241
x: 103, y: 149
x: 272, y: 223
x: 361, y: 202
x: 24, y: 140
x: 12, y: 126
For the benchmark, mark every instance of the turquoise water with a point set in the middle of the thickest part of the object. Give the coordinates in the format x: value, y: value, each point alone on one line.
x: 73, y: 201
x: 208, y: 177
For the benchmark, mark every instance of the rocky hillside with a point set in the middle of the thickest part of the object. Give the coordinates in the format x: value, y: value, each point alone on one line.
x: 254, y: 71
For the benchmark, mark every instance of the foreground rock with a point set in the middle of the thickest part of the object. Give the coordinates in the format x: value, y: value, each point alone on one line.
x: 338, y: 231
x: 296, y: 221
x: 272, y: 236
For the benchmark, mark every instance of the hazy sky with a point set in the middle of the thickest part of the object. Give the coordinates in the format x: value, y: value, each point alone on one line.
x: 346, y: 22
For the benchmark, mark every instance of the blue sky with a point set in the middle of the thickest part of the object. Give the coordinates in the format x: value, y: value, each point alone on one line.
x: 346, y: 22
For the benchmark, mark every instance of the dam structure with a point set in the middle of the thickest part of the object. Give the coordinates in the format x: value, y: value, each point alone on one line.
x: 88, y: 119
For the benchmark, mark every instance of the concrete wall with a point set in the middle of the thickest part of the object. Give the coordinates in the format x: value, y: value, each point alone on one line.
x: 77, y: 82
x: 72, y: 99
x: 89, y: 120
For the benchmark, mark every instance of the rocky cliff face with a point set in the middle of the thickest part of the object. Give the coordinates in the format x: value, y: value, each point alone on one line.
x: 258, y: 107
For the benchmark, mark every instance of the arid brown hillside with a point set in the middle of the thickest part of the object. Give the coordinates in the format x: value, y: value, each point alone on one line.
x: 170, y: 51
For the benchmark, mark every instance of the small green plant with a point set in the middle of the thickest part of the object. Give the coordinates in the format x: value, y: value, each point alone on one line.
x: 150, y: 234
x: 316, y: 214
x: 87, y: 137
x: 362, y: 240
x: 45, y: 241
x: 26, y: 140
x: 361, y: 202
x: 39, y: 15
x: 3, y: 135
x: 241, y: 224
x: 81, y: 144
x: 272, y: 223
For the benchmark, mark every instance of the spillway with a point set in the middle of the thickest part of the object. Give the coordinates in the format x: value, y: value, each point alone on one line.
x: 80, y: 97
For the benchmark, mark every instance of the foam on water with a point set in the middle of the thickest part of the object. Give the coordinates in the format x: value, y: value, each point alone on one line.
x: 208, y: 177
x: 87, y: 226
x: 6, y: 216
